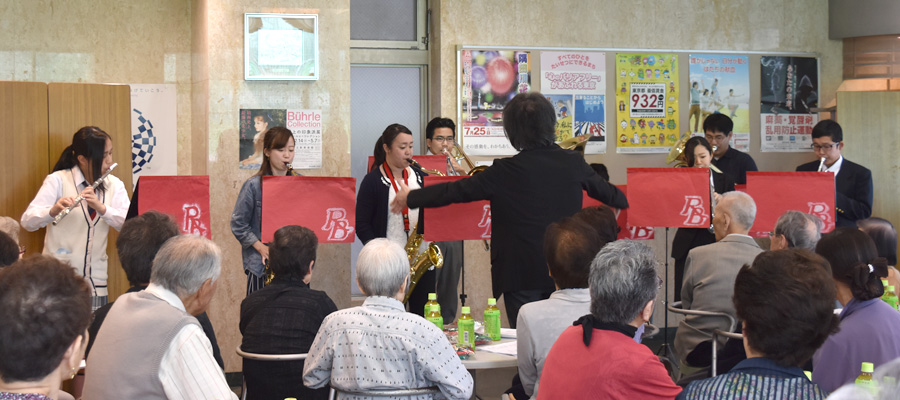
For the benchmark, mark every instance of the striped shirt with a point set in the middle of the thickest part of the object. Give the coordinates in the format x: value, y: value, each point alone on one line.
x: 756, y: 378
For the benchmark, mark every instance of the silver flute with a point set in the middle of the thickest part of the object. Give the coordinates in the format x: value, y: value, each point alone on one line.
x: 62, y: 214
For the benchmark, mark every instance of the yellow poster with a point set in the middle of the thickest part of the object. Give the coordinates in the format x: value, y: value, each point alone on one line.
x: 646, y: 102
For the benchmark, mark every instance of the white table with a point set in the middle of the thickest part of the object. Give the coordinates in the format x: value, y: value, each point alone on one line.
x: 487, y: 360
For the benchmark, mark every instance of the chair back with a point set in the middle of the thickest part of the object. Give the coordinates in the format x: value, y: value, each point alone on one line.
x: 264, y: 357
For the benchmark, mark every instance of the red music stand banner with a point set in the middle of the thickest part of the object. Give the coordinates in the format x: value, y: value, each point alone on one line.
x: 625, y: 231
x: 430, y: 161
x: 326, y: 205
x: 777, y: 192
x: 668, y: 197
x: 460, y: 221
x: 184, y: 198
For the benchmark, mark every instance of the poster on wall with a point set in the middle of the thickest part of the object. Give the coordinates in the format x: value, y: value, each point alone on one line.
x: 646, y: 102
x: 490, y: 79
x: 306, y: 126
x: 154, y: 128
x: 788, y: 93
x: 575, y: 83
x: 720, y: 84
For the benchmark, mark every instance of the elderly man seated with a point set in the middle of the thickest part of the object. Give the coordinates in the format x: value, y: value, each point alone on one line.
x: 601, y: 357
x: 709, y: 278
x: 379, y: 345
x: 569, y: 245
x: 786, y: 285
x: 150, y: 345
x: 796, y: 229
x: 283, y: 318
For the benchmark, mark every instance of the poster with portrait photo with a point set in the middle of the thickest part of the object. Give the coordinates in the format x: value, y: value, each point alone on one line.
x: 253, y: 125
x: 788, y: 94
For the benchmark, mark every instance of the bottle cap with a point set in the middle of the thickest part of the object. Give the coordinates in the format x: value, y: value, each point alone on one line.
x: 868, y: 367
x: 432, y: 296
x: 492, y: 301
x: 466, y: 310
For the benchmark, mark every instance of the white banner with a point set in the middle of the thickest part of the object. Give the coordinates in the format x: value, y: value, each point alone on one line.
x: 154, y: 130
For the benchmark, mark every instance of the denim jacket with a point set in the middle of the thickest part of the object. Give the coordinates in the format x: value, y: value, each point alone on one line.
x: 246, y: 224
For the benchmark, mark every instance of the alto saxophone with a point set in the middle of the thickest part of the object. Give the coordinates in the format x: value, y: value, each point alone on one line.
x: 419, y: 263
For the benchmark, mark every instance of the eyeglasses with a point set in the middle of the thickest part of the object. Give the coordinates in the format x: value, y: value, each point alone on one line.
x: 442, y: 138
x: 825, y: 147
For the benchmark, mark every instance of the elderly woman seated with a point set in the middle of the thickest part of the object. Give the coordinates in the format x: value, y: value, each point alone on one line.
x: 785, y: 301
x: 601, y: 357
x: 379, y: 345
x: 44, y: 314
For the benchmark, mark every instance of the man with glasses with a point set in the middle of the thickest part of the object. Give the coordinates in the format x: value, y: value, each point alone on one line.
x: 852, y: 182
x: 733, y: 163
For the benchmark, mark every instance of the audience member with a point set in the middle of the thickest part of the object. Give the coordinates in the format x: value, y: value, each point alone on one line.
x: 45, y: 310
x: 786, y: 285
x: 151, y: 345
x: 796, y: 229
x: 9, y: 250
x: 852, y: 182
x: 283, y: 318
x: 709, y: 277
x: 379, y: 345
x: 869, y: 326
x: 569, y: 245
x: 602, y: 219
x: 884, y: 235
x: 10, y: 226
x: 137, y: 245
x: 601, y: 357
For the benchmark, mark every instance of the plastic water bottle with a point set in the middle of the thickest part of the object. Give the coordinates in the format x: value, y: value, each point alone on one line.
x: 434, y: 316
x: 865, y: 381
x: 492, y: 319
x: 466, y: 332
x: 432, y: 302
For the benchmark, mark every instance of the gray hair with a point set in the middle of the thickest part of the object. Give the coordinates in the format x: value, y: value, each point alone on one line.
x: 793, y: 225
x: 740, y: 206
x: 184, y: 262
x: 381, y: 268
x: 623, y: 280
x: 10, y: 227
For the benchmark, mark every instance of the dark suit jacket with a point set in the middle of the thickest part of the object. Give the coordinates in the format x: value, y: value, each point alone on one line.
x: 372, y: 206
x: 527, y: 192
x: 853, y: 192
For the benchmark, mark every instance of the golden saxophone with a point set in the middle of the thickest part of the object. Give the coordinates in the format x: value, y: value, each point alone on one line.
x: 416, y: 164
x: 419, y: 263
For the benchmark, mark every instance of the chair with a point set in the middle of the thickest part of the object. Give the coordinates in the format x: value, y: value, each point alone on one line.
x: 264, y: 357
x: 715, y: 352
x: 385, y: 393
x: 732, y: 324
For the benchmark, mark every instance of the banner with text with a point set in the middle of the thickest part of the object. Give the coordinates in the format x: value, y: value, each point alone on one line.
x: 490, y: 79
x: 184, y: 198
x: 460, y: 221
x: 777, y: 192
x: 326, y: 205
x: 305, y: 125
x: 788, y: 95
x: 647, y: 102
x: 669, y: 197
x: 625, y: 231
x: 720, y: 84
x: 575, y: 83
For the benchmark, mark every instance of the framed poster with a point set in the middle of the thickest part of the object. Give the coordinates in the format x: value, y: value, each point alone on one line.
x: 281, y: 46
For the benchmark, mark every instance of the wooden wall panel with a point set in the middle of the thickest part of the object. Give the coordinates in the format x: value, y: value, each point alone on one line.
x: 23, y: 121
x: 74, y: 105
x: 871, y: 127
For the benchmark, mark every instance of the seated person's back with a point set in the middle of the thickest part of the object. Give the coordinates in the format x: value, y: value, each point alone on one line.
x: 283, y: 318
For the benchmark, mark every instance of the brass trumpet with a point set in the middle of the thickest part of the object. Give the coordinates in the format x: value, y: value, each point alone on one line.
x: 419, y: 263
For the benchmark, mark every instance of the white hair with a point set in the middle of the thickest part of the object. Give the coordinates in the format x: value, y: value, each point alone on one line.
x: 381, y: 268
x: 740, y: 206
x: 623, y: 279
x: 184, y: 262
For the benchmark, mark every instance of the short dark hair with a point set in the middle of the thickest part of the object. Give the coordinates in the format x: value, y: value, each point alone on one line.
x: 44, y: 307
x: 139, y: 240
x: 291, y: 251
x: 602, y: 219
x: 439, y: 122
x: 830, y: 128
x: 851, y: 252
x: 601, y: 170
x: 718, y: 123
x: 883, y: 234
x: 692, y: 144
x: 529, y: 121
x: 9, y: 250
x: 387, y: 137
x: 786, y: 285
x: 570, y: 245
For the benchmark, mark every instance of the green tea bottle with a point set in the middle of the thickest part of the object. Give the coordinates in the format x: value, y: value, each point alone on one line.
x: 466, y: 325
x: 492, y: 319
x: 435, y: 316
x: 432, y: 302
x: 891, y: 297
x: 865, y: 381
